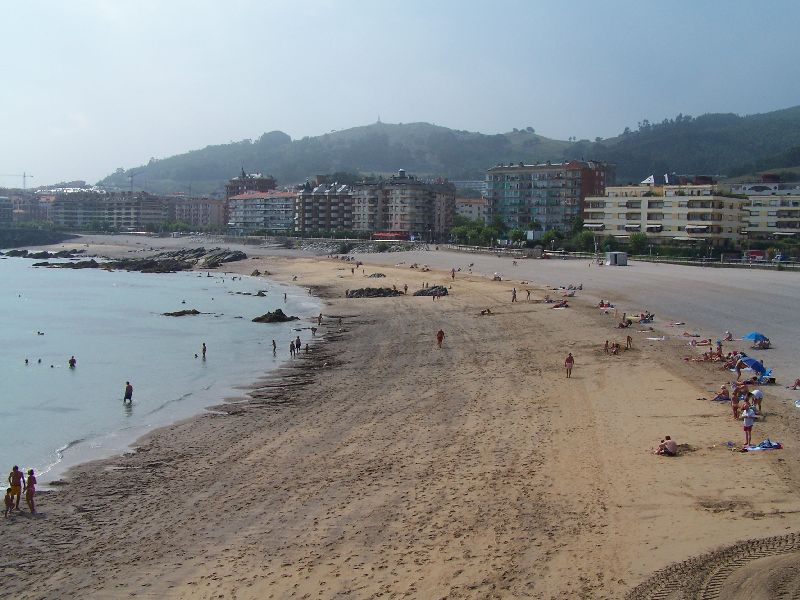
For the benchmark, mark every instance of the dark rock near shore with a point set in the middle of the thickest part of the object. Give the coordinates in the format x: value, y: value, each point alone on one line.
x: 182, y: 313
x: 373, y: 293
x: 81, y: 264
x: 44, y: 254
x: 434, y: 290
x: 277, y: 316
x: 255, y: 273
x: 375, y: 275
x: 163, y: 262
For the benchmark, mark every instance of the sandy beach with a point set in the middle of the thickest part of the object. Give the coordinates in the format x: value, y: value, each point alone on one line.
x: 378, y: 465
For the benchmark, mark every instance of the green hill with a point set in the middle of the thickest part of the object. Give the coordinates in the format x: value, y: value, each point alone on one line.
x: 713, y: 144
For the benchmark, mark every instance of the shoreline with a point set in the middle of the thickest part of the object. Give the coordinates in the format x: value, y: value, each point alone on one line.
x: 469, y: 472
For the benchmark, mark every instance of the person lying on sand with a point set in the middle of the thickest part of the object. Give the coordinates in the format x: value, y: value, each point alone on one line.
x: 667, y: 447
x: 795, y: 385
x: 562, y: 304
x: 486, y: 311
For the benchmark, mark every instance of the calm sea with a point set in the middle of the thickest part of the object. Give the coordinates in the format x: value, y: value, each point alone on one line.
x: 52, y: 416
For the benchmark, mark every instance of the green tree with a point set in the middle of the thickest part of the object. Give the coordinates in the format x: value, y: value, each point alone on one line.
x: 516, y: 235
x: 577, y: 226
x: 548, y: 237
x: 610, y: 243
x: 584, y: 241
x: 637, y: 243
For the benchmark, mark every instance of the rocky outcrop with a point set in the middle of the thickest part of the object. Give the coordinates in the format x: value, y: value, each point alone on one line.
x: 434, y: 290
x: 369, y: 292
x: 44, y: 254
x: 182, y: 313
x: 163, y: 262
x: 276, y: 316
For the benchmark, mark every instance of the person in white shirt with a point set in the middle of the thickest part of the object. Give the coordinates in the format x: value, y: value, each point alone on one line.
x: 748, y: 418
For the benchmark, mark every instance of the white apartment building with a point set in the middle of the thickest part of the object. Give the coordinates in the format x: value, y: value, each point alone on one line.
x: 667, y: 214
x: 253, y: 211
x: 474, y: 209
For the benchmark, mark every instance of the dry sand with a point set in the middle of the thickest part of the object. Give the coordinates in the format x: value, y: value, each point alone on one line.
x: 381, y: 466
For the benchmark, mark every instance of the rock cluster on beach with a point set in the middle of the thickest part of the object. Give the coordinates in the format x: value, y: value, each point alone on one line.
x: 276, y: 316
x: 369, y: 292
x: 182, y: 313
x: 434, y: 290
x: 376, y: 275
x: 44, y: 254
x: 163, y: 262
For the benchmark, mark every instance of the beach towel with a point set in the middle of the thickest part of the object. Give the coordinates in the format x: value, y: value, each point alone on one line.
x: 767, y: 444
x: 661, y: 339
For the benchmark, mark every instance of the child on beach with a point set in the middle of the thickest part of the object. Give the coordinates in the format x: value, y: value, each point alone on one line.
x: 439, y: 337
x: 9, y: 502
x: 748, y: 418
x: 569, y: 362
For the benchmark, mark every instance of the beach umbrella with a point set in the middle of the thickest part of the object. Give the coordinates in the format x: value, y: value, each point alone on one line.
x: 753, y: 364
x: 755, y: 336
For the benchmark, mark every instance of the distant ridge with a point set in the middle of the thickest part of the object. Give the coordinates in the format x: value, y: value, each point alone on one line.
x: 715, y: 144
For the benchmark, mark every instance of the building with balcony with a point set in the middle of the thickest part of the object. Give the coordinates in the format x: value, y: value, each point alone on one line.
x: 253, y: 212
x: 773, y: 209
x: 474, y: 209
x: 199, y: 213
x: 403, y: 203
x: 550, y: 195
x: 123, y: 211
x: 324, y: 209
x: 667, y: 214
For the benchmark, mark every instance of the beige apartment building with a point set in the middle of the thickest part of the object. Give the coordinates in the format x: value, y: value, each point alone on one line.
x: 474, y: 209
x: 124, y: 211
x: 201, y: 213
x: 667, y: 214
x: 773, y: 209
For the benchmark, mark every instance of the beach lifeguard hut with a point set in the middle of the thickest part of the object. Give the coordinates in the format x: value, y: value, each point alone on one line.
x: 616, y: 259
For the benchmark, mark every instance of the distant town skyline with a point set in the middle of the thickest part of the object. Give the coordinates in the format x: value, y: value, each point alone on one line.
x: 91, y: 86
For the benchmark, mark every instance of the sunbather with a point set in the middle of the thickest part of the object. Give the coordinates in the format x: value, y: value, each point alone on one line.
x: 722, y: 395
x: 667, y: 447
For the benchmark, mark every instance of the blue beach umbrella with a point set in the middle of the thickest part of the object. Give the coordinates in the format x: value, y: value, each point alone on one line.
x: 754, y: 364
x: 755, y: 336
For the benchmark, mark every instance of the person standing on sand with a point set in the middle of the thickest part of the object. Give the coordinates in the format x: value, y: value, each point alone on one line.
x: 748, y: 418
x: 629, y: 343
x: 569, y: 362
x: 439, y: 337
x: 453, y: 274
x: 204, y: 350
x: 274, y: 347
x: 528, y: 292
x: 319, y: 319
x: 405, y: 288
x: 9, y: 502
x: 514, y: 295
x: 291, y: 348
x: 30, y: 491
x: 128, y: 397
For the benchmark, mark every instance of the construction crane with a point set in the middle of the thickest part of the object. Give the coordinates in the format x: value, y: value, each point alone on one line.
x: 25, y: 177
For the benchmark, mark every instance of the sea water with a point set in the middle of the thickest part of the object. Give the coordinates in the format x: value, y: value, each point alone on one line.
x: 52, y: 416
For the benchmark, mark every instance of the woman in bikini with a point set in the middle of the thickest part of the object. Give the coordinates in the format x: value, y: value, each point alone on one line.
x: 30, y: 490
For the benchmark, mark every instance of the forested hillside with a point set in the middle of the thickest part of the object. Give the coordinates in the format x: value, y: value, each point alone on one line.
x: 713, y: 144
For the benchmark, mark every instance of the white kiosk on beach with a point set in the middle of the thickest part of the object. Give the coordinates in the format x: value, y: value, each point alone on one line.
x: 616, y: 259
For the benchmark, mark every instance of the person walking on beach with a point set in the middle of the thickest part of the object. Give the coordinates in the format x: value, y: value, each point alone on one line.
x: 30, y: 491
x: 9, y: 502
x: 128, y: 397
x: 439, y: 338
x: 514, y: 295
x: 319, y: 319
x: 297, y: 344
x: 453, y: 274
x: 274, y: 347
x: 291, y: 348
x: 528, y: 295
x: 204, y: 350
x: 16, y: 479
x: 569, y: 362
x: 629, y: 343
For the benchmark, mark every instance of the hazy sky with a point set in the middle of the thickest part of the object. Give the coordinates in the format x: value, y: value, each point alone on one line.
x: 87, y: 86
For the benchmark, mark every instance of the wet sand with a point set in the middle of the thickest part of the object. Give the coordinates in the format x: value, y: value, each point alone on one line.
x: 380, y: 465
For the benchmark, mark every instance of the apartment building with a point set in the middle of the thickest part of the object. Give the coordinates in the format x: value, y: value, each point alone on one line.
x: 6, y: 210
x: 199, y: 213
x: 549, y: 194
x: 667, y: 214
x: 249, y: 182
x: 773, y: 209
x: 124, y: 211
x: 403, y: 203
x: 253, y: 212
x: 324, y: 208
x: 474, y: 209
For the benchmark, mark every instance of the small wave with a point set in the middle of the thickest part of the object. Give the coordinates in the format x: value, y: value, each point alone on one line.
x: 59, y: 456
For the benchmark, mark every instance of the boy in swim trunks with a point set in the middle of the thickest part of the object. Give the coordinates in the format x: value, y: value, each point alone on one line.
x: 9, y: 502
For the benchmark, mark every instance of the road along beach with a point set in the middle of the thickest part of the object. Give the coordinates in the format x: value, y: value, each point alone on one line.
x: 380, y: 464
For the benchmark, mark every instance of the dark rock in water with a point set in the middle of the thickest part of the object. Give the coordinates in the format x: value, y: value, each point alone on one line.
x: 277, y: 316
x: 182, y: 313
x: 81, y: 264
x: 434, y: 290
x: 41, y: 264
x: 17, y: 253
x: 373, y: 293
x: 255, y: 273
x: 375, y: 275
x: 261, y: 293
x: 44, y: 254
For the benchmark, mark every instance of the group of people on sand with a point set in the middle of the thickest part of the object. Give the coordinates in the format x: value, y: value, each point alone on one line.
x: 295, y: 346
x: 19, y: 485
x: 615, y: 347
x: 745, y: 405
